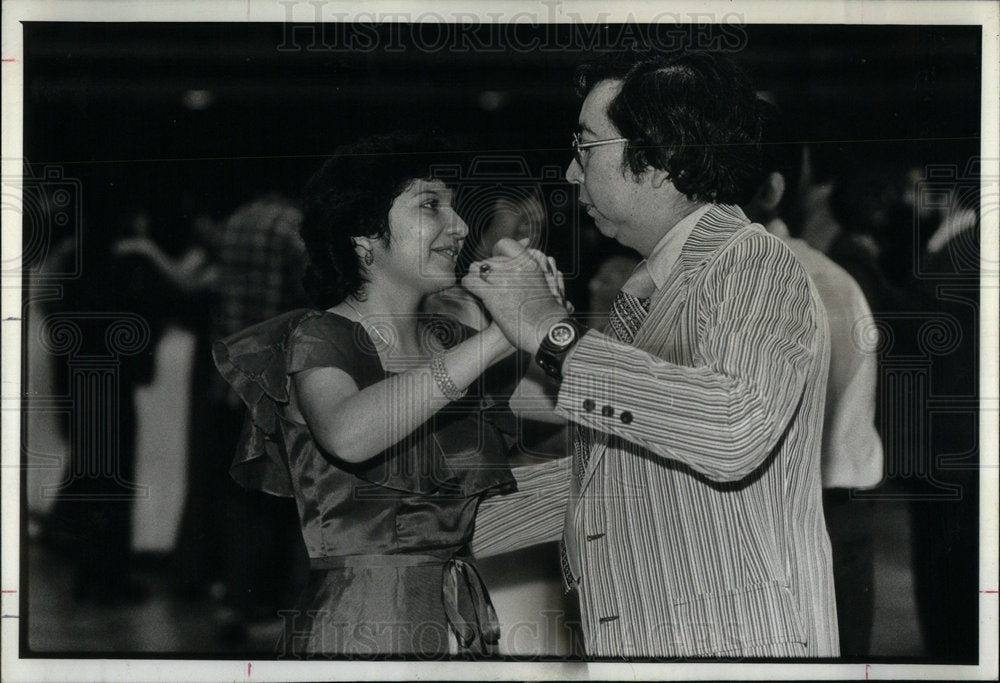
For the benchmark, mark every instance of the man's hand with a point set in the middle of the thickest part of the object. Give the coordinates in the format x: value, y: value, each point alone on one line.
x: 522, y: 291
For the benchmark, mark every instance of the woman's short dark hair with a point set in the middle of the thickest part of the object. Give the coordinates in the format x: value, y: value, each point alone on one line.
x: 692, y: 114
x: 350, y: 196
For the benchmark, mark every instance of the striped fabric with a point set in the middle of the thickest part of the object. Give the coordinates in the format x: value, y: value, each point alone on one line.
x: 698, y: 527
x: 501, y: 527
x: 624, y: 320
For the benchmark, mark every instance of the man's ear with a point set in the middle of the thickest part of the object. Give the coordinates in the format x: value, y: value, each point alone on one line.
x: 657, y: 177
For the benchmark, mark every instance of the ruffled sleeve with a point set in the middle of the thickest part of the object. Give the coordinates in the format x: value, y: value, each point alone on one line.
x: 451, y: 453
x: 257, y: 362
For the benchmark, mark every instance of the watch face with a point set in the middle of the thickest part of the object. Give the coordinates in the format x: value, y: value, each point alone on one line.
x: 562, y: 334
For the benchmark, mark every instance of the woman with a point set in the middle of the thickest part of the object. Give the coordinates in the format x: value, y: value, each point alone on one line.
x: 385, y: 424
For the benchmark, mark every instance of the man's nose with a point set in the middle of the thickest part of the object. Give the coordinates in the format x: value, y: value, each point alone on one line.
x: 574, y: 172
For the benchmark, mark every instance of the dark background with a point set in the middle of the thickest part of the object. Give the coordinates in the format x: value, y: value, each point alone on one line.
x: 107, y: 101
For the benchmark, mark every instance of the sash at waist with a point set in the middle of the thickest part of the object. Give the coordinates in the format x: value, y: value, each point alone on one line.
x: 466, y: 601
x: 394, y: 560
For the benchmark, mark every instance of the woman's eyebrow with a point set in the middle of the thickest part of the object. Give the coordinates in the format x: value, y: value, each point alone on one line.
x: 439, y: 193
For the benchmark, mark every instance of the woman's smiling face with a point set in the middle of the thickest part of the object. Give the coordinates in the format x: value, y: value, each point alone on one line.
x: 425, y: 237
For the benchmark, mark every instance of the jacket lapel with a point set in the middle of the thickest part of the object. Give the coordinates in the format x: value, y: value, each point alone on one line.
x: 664, y: 332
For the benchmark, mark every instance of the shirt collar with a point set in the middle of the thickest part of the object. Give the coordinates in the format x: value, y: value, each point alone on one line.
x: 666, y: 252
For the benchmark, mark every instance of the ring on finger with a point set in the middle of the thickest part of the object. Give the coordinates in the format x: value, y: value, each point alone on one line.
x: 484, y: 271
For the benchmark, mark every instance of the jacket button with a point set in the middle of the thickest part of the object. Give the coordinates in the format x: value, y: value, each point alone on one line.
x: 589, y: 405
x: 608, y: 411
x: 626, y: 417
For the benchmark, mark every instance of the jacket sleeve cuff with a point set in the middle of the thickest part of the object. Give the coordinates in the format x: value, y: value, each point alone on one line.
x: 581, y: 384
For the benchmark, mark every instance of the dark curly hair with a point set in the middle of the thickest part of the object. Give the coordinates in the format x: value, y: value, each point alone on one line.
x: 350, y: 196
x: 692, y: 114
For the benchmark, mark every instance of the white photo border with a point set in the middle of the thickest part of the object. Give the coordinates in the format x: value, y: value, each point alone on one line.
x: 986, y: 14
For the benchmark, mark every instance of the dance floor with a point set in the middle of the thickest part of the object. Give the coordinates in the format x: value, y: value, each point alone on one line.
x: 164, y: 623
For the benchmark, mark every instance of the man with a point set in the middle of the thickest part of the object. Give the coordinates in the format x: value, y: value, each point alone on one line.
x: 695, y: 525
x: 852, y: 449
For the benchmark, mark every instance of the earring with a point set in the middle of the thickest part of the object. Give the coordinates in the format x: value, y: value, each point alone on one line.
x: 368, y: 258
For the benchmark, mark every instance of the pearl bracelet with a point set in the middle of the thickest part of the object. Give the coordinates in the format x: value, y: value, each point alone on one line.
x: 443, y: 379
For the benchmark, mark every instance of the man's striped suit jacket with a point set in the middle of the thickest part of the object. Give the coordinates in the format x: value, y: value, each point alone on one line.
x: 697, y: 526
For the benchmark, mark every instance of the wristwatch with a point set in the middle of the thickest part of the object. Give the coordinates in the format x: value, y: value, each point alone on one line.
x: 552, y: 351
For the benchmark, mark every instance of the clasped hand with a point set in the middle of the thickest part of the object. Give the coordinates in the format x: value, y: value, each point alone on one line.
x: 522, y: 289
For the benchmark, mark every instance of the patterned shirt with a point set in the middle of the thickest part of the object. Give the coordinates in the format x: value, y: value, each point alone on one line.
x: 261, y: 262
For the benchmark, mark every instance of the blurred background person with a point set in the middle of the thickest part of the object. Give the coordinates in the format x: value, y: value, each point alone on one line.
x: 945, y: 531
x: 872, y: 244
x: 518, y: 218
x: 144, y: 287
x: 892, y: 242
x: 808, y: 205
x: 241, y: 547
x: 851, y: 454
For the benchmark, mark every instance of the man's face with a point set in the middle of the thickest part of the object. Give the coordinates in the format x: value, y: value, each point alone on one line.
x: 608, y: 190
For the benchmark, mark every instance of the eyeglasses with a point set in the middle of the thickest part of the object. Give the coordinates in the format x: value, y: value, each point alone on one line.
x: 579, y: 146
